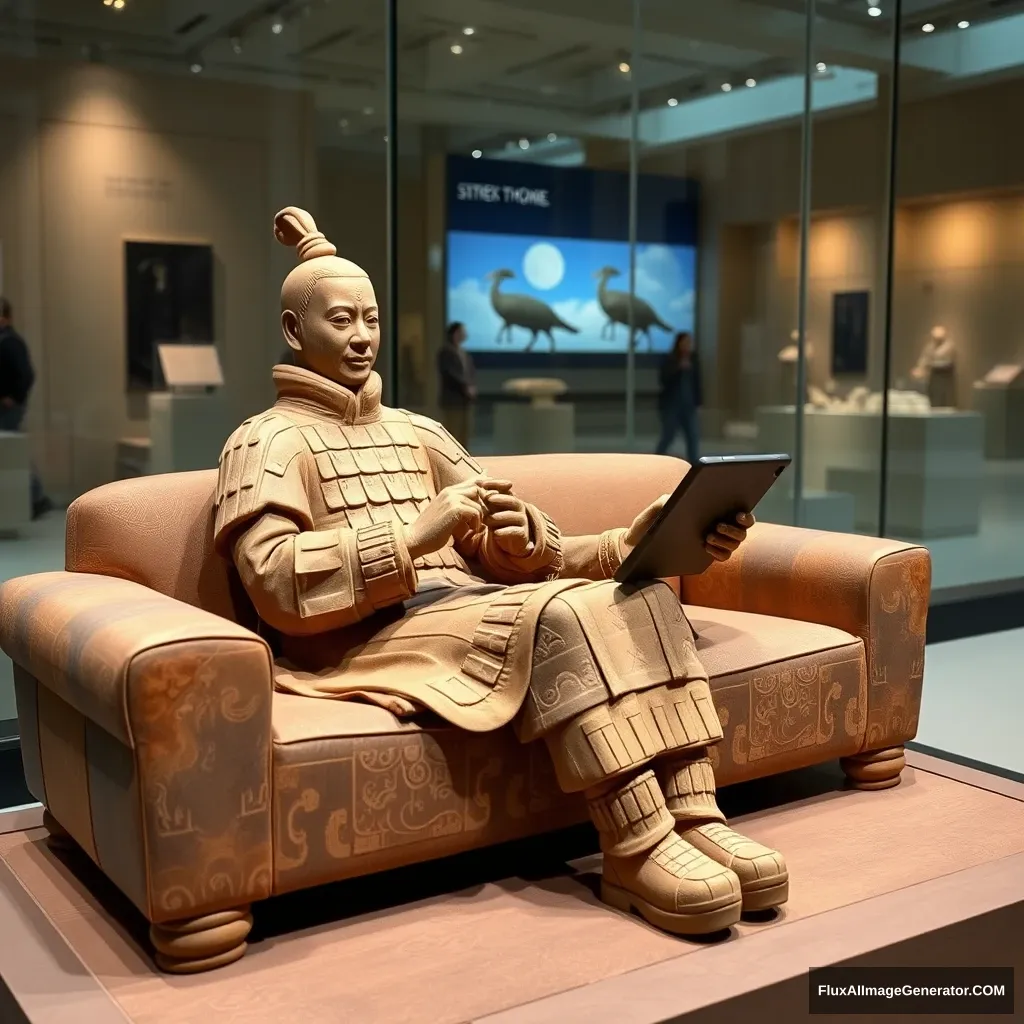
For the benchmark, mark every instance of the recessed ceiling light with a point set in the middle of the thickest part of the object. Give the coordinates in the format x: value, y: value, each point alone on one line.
x: 963, y: 24
x: 822, y: 66
x: 552, y: 137
x: 524, y: 143
x: 468, y: 30
x: 624, y: 68
x: 751, y: 82
x: 118, y: 5
x: 673, y: 102
x: 874, y: 12
x: 195, y: 68
x: 927, y: 27
x: 726, y: 87
x: 277, y: 27
x: 477, y: 153
x: 456, y: 48
x: 367, y: 111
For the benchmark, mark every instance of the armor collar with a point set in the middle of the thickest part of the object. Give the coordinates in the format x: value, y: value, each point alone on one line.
x: 298, y: 386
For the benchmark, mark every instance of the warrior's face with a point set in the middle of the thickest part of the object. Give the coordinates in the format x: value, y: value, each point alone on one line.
x: 339, y: 334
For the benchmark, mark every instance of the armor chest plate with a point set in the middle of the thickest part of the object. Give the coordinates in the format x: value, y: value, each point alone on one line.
x: 371, y: 473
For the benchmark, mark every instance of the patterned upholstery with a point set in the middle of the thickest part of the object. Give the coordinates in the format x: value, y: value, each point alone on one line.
x: 151, y: 730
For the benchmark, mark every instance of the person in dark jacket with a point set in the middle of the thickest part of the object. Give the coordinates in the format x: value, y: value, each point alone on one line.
x: 16, y: 380
x: 681, y: 397
x: 458, y: 387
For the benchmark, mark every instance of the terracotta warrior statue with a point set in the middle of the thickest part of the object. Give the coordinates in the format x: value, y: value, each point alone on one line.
x: 395, y: 570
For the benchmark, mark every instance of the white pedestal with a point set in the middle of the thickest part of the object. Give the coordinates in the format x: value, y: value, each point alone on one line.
x: 187, y: 431
x: 1003, y: 409
x: 15, y: 482
x: 935, y: 465
x: 522, y: 428
x: 819, y: 510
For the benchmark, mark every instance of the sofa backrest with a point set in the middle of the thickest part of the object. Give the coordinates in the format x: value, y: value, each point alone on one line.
x: 158, y: 530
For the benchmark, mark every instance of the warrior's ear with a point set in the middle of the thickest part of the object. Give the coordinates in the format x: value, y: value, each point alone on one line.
x: 292, y: 330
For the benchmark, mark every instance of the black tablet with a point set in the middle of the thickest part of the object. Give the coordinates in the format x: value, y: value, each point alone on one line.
x: 716, y: 488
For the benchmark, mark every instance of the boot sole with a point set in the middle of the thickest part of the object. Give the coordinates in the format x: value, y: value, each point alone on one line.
x: 765, y: 899
x: 716, y: 917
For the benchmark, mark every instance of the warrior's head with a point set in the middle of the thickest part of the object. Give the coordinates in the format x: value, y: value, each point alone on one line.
x: 329, y: 313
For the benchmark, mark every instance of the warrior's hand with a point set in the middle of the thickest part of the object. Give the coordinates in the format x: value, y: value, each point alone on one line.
x: 505, y: 516
x: 455, y: 511
x: 720, y: 543
x: 641, y: 525
x: 727, y: 536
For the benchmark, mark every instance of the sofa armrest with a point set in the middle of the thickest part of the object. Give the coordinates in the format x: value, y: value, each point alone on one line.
x: 147, y: 732
x: 875, y: 589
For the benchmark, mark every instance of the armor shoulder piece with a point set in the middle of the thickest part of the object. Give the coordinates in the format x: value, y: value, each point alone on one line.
x: 437, y: 439
x: 254, y: 474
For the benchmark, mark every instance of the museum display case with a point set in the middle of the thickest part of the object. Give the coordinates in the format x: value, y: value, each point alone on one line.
x: 807, y: 194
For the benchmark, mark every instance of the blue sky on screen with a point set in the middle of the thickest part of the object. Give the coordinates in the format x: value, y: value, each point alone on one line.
x: 560, y: 272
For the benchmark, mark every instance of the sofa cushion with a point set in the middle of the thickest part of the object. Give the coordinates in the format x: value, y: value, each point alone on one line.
x: 728, y: 643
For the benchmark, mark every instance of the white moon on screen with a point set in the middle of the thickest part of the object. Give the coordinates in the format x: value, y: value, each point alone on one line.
x: 544, y: 266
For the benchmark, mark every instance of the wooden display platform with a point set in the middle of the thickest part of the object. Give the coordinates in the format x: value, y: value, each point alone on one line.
x: 931, y: 873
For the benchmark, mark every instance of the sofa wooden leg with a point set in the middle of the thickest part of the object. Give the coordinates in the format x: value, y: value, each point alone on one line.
x: 58, y: 838
x: 875, y: 769
x: 201, y: 943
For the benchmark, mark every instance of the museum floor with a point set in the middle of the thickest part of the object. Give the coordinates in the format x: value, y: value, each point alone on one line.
x: 871, y: 872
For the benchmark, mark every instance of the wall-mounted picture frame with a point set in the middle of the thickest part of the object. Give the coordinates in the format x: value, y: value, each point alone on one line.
x: 168, y: 300
x: 850, y: 325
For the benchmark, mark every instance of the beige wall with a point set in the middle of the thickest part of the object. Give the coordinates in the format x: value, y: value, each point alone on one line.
x: 100, y: 156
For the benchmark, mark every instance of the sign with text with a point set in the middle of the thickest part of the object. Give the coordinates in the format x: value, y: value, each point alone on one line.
x: 539, y: 261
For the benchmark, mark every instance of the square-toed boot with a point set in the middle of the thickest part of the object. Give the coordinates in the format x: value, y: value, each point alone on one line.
x: 649, y: 869
x: 689, y: 787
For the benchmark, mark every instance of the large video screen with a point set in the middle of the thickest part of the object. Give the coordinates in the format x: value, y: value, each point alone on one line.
x: 517, y: 293
x: 538, y: 261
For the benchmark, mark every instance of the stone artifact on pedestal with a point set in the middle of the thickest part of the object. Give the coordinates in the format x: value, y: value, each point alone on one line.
x: 542, y: 424
x: 936, y: 368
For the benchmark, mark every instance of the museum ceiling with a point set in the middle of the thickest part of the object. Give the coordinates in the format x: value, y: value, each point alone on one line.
x: 494, y: 73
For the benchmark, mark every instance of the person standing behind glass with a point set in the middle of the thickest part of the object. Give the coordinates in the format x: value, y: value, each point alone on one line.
x: 681, y: 397
x: 458, y: 387
x: 16, y: 380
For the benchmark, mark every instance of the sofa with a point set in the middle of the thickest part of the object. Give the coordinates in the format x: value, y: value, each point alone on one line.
x: 152, y: 733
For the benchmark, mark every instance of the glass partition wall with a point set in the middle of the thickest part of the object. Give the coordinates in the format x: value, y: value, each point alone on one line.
x: 821, y: 198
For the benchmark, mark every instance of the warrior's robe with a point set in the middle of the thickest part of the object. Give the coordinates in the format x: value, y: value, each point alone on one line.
x: 311, y: 500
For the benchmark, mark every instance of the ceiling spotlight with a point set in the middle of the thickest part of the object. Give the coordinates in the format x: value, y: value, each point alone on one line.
x: 963, y: 24
x: 927, y: 27
x: 726, y: 87
x: 195, y: 68
x: 343, y: 123
x: 524, y: 143
x: 624, y: 68
x: 673, y: 102
x: 822, y: 67
x: 468, y: 30
x: 456, y: 49
x: 367, y: 111
x: 874, y: 12
x: 107, y: 3
x: 477, y: 153
x: 552, y: 137
x: 750, y: 83
x: 118, y: 5
x: 277, y: 27
x: 236, y: 45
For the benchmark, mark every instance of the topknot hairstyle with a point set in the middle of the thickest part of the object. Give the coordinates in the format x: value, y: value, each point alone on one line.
x: 317, y: 259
